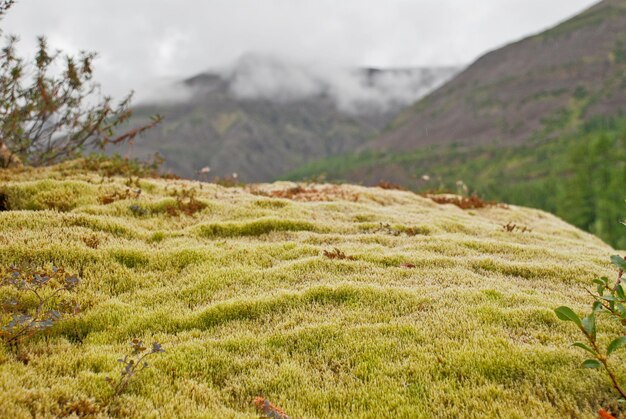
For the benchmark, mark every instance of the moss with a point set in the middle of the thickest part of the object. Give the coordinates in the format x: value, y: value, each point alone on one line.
x: 253, y: 228
x: 467, y: 331
x: 48, y: 195
x: 157, y: 237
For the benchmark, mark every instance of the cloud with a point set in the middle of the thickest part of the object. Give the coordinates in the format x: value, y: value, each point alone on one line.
x: 143, y: 43
x: 256, y: 76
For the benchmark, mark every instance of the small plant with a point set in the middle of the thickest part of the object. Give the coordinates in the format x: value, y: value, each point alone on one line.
x: 132, y: 182
x: 133, y: 364
x: 603, y: 414
x: 510, y: 228
x: 119, y: 196
x: 337, y: 254
x: 138, y: 210
x: 186, y: 203
x: 116, y: 165
x: 308, y: 193
x: 415, y: 231
x: 386, y: 228
x: 24, y: 317
x: 92, y: 241
x: 268, y: 409
x: 408, y: 266
x: 609, y: 299
x: 82, y: 408
x: 383, y: 184
x: 464, y: 202
x: 231, y: 181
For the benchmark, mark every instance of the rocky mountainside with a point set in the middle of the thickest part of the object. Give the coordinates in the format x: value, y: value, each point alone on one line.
x: 262, y: 117
x: 536, y: 88
x: 540, y: 123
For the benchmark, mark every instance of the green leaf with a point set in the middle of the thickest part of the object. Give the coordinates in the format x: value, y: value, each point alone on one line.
x: 591, y: 363
x: 597, y: 306
x: 589, y: 325
x: 599, y: 281
x: 566, y: 314
x: 618, y: 343
x: 619, y: 262
x: 620, y: 292
x: 585, y: 347
x: 600, y: 289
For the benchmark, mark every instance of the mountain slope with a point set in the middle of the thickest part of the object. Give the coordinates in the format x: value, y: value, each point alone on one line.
x: 264, y: 117
x: 540, y: 123
x: 245, y: 303
x: 536, y: 88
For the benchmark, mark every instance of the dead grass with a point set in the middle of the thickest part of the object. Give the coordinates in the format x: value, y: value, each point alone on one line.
x: 464, y: 202
x: 308, y: 193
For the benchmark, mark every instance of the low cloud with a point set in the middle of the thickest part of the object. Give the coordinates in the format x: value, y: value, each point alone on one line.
x: 144, y: 44
x: 257, y: 76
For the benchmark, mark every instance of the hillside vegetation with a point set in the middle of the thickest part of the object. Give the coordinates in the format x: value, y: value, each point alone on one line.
x: 535, y: 89
x: 578, y: 176
x: 432, y: 311
x: 261, y: 135
x: 539, y: 122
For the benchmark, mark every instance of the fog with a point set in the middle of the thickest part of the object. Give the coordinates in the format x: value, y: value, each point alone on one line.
x: 147, y: 45
x: 257, y: 76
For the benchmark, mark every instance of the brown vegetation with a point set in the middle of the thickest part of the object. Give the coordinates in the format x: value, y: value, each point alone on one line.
x: 309, y: 193
x: 337, y: 254
x: 464, y: 202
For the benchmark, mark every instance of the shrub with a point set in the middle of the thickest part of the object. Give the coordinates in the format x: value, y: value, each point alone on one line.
x: 138, y: 210
x: 231, y: 181
x: 24, y: 317
x: 309, y: 193
x: 383, y: 184
x: 608, y: 299
x: 510, y: 228
x: 186, y: 203
x: 92, y: 241
x: 269, y: 409
x: 117, y: 165
x: 386, y: 228
x: 119, y: 196
x: 463, y: 202
x: 337, y: 254
x: 133, y: 365
x: 50, y: 115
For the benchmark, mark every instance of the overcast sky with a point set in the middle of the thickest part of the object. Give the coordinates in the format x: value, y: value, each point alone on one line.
x: 143, y: 41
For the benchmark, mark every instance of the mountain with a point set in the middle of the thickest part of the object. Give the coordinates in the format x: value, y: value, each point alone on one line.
x: 540, y: 122
x: 264, y: 117
x: 433, y: 311
x: 534, y: 89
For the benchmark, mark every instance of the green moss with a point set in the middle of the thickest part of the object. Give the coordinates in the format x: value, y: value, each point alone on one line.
x: 253, y: 228
x: 49, y: 195
x: 467, y: 331
x: 157, y: 237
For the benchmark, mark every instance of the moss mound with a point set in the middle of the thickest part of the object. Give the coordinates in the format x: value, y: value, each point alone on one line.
x: 434, y: 312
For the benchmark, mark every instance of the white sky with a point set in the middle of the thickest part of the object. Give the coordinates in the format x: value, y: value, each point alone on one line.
x: 141, y: 42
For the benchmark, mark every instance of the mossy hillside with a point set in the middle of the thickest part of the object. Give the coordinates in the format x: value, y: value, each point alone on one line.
x: 246, y: 304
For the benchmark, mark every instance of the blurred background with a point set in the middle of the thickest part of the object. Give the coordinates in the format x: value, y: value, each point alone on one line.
x: 516, y: 101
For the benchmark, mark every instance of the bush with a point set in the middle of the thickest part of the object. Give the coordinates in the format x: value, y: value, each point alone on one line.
x: 36, y: 305
x: 133, y: 364
x: 609, y: 299
x: 49, y: 116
